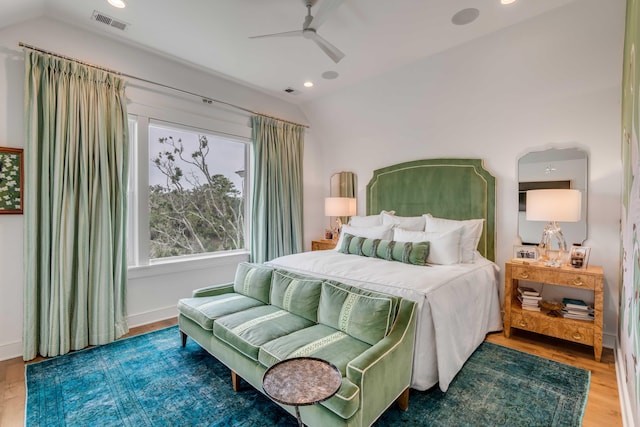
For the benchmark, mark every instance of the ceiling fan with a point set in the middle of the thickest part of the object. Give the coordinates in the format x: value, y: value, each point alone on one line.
x: 310, y: 28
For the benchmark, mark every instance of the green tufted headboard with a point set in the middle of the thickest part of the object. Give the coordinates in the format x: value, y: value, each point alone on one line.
x: 445, y: 188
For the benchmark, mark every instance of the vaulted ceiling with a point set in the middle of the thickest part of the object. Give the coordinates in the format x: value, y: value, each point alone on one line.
x: 376, y: 36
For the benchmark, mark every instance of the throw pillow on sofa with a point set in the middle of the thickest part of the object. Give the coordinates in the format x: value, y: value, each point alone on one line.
x: 253, y: 280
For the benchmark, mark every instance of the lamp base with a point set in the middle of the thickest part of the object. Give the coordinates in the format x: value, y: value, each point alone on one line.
x: 553, y: 257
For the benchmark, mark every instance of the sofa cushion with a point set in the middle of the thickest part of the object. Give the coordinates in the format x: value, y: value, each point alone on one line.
x: 204, y: 310
x: 249, y: 329
x: 325, y: 343
x: 296, y: 293
x: 253, y: 280
x: 367, y: 316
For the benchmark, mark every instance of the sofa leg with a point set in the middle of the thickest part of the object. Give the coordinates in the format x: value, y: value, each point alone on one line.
x: 403, y: 400
x: 184, y: 338
x: 235, y: 380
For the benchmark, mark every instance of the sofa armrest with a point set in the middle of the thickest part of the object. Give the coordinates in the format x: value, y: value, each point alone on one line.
x: 384, y: 371
x: 210, y: 291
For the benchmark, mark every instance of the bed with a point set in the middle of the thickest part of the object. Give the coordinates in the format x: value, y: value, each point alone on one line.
x: 458, y: 301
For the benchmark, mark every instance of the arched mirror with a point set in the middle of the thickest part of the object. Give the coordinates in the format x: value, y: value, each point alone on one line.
x: 343, y: 184
x: 548, y: 169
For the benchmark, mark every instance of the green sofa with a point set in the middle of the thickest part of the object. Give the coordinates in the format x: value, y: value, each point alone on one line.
x: 267, y: 315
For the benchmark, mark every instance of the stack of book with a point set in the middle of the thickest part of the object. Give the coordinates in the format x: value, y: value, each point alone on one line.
x: 529, y: 298
x: 576, y: 309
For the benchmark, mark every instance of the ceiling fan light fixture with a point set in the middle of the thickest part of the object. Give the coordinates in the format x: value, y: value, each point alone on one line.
x: 120, y: 4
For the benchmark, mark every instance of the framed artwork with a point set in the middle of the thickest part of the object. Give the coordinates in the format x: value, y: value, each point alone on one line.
x: 11, y: 180
x: 579, y: 256
x: 525, y: 252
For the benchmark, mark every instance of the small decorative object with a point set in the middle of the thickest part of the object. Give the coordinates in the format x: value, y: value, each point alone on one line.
x: 328, y: 234
x: 525, y: 253
x: 553, y: 308
x: 11, y: 180
x: 579, y: 256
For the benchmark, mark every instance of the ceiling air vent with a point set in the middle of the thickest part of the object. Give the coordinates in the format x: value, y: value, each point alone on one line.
x: 107, y: 20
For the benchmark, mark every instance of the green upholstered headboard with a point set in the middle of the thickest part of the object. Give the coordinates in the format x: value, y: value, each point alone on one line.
x: 445, y: 188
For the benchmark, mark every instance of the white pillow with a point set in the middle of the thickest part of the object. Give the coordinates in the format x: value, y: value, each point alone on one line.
x: 444, y: 248
x: 415, y: 223
x: 384, y: 232
x: 365, y: 221
x: 472, y: 231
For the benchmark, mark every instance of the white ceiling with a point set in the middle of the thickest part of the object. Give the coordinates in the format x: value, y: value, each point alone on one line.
x: 375, y: 35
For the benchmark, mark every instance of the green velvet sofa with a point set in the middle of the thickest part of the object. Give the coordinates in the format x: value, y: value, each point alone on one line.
x: 267, y: 315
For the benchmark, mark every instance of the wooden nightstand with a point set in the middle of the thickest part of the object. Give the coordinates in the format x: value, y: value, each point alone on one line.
x: 323, y: 244
x: 580, y: 331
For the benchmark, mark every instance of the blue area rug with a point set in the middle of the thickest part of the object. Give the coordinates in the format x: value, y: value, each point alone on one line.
x: 150, y: 380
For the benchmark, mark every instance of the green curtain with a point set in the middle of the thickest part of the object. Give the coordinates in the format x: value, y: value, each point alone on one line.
x: 76, y: 153
x: 277, y: 188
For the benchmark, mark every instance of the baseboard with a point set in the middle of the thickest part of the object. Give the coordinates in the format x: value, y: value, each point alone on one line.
x: 14, y: 349
x: 10, y: 350
x: 625, y: 402
x: 147, y: 317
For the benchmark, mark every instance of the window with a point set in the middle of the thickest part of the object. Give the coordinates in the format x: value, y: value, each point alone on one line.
x: 191, y: 192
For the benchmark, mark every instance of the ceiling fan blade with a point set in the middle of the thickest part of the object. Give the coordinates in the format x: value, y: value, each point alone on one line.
x: 325, y: 10
x: 333, y: 52
x: 285, y: 34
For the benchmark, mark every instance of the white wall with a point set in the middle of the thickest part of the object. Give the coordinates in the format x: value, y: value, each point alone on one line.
x: 152, y: 291
x: 552, y: 81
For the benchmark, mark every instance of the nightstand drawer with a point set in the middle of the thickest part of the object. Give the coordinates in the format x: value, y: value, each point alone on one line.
x: 556, y: 277
x: 580, y: 332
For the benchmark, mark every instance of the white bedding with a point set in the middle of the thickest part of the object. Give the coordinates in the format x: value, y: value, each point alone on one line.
x: 457, y: 304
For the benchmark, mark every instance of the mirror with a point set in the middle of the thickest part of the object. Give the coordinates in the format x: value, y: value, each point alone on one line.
x: 343, y: 184
x: 553, y: 168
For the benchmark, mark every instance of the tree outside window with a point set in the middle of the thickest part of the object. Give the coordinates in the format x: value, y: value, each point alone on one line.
x: 196, y: 192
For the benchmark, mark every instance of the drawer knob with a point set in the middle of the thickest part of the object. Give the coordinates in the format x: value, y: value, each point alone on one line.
x: 578, y: 281
x: 523, y: 323
x: 524, y: 275
x: 577, y: 336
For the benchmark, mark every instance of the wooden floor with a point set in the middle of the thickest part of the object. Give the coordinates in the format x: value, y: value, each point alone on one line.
x: 603, y: 407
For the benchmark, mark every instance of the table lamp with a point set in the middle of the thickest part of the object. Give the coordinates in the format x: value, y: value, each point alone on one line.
x: 339, y: 207
x: 553, y: 205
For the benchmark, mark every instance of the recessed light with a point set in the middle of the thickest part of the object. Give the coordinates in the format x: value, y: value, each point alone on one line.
x: 117, y: 3
x: 465, y: 16
x: 308, y: 84
x: 507, y: 1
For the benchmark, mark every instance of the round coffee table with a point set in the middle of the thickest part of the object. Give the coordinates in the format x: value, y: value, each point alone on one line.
x: 301, y: 381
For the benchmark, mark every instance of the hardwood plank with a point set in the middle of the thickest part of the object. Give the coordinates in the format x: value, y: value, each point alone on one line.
x: 603, y: 407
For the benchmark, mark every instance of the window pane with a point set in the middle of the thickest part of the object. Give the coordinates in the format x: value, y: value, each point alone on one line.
x: 196, y: 192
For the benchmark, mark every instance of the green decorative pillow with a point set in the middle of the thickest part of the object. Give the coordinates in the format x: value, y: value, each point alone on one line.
x: 367, y: 316
x: 296, y: 293
x: 415, y: 253
x: 253, y: 280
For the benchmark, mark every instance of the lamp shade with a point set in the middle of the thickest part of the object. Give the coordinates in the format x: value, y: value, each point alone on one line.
x: 554, y: 205
x: 339, y: 206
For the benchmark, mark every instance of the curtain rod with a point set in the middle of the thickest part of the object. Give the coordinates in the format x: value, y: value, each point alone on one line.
x: 204, y: 98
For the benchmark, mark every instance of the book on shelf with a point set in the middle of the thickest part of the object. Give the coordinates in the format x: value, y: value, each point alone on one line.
x: 574, y: 303
x: 525, y: 290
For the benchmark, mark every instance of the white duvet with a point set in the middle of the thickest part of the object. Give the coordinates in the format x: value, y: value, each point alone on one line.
x: 457, y: 304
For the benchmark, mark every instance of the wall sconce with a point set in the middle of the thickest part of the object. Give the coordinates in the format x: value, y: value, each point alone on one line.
x: 339, y: 207
x: 554, y: 205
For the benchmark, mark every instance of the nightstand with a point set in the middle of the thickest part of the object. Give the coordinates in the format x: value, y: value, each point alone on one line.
x: 580, y: 331
x: 323, y: 244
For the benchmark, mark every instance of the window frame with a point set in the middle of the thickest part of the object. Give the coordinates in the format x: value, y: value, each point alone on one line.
x: 138, y: 238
